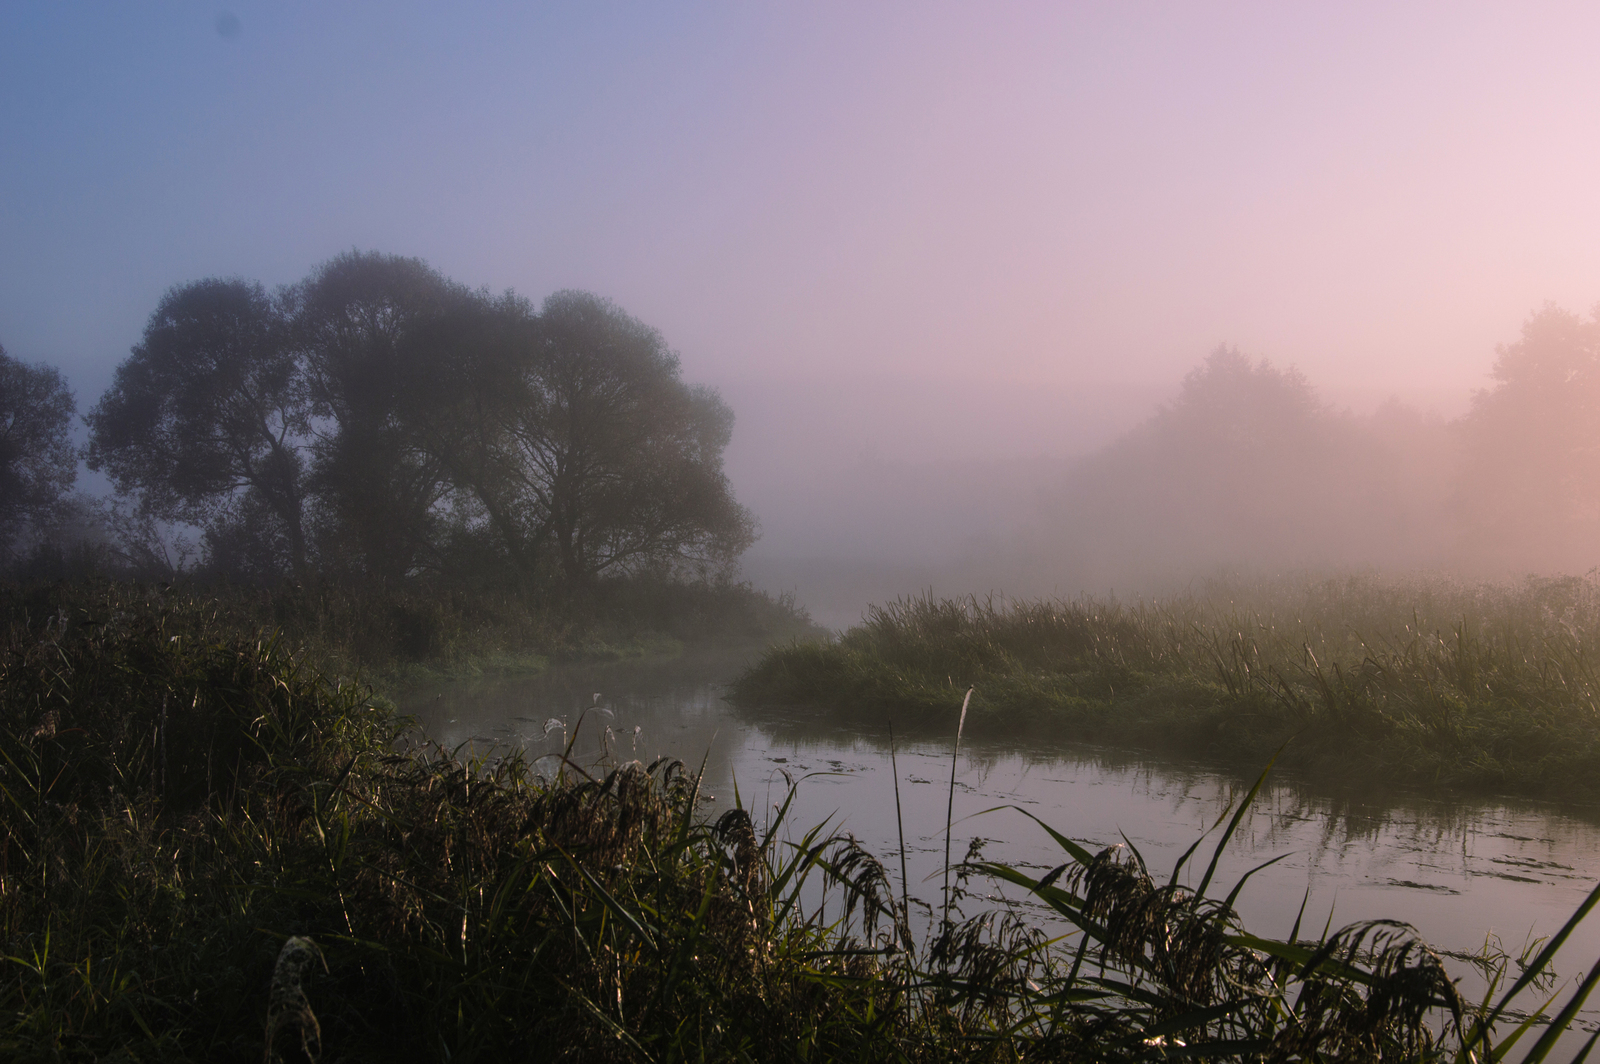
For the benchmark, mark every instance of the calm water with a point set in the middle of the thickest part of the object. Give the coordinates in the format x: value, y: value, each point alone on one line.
x: 1457, y: 870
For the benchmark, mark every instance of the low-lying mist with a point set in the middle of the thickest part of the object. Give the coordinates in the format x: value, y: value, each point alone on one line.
x: 1247, y: 470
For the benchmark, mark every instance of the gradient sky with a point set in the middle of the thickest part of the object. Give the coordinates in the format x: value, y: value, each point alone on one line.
x: 882, y: 230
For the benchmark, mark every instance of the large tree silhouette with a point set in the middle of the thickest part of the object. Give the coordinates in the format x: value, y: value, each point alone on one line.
x: 378, y: 419
x: 1247, y: 468
x: 207, y: 420
x: 625, y: 457
x: 379, y: 490
x: 576, y: 436
x: 37, y: 461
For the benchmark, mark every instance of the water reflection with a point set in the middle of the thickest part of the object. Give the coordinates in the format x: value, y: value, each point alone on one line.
x: 1457, y: 870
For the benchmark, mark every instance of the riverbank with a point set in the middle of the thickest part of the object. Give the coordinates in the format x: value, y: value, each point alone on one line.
x: 1427, y: 684
x: 212, y: 850
x: 399, y: 639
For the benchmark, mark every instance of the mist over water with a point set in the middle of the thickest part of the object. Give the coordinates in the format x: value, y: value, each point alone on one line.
x: 1460, y: 869
x: 945, y: 265
x: 1245, y: 467
x: 531, y: 342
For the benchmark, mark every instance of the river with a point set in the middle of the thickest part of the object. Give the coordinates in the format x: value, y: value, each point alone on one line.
x: 1457, y: 869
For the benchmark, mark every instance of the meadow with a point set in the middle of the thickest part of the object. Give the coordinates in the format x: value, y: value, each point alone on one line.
x: 1429, y: 684
x: 214, y: 850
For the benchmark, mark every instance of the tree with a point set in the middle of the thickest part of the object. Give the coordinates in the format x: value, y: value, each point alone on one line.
x: 1529, y: 487
x: 581, y: 445
x: 38, y: 463
x: 461, y: 379
x: 211, y: 408
x: 388, y: 421
x: 1247, y: 467
x: 379, y: 489
x: 1232, y: 406
x: 619, y: 455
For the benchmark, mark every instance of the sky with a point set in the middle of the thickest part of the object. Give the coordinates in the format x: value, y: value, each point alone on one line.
x: 891, y: 234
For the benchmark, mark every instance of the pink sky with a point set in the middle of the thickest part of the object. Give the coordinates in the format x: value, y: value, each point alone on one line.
x: 919, y: 224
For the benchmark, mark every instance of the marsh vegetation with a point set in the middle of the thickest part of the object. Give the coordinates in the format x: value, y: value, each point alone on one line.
x: 219, y: 842
x: 1427, y: 683
x: 212, y: 849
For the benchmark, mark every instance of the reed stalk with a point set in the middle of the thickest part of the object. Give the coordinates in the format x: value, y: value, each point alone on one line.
x: 950, y: 808
x: 900, y: 827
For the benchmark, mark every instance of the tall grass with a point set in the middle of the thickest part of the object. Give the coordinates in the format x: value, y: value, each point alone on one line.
x: 210, y: 851
x: 399, y: 635
x: 1423, y: 683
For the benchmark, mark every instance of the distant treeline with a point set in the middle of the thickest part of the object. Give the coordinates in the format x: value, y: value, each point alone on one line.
x: 1249, y: 468
x: 377, y: 420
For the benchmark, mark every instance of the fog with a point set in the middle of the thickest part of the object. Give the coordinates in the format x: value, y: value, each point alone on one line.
x: 1244, y: 468
x: 950, y: 268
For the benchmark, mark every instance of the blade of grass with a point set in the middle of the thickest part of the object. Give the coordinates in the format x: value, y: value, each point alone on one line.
x: 1233, y: 895
x: 1583, y: 1054
x: 1294, y: 932
x: 1078, y: 853
x: 1563, y: 1019
x: 1233, y: 825
x: 950, y: 807
x: 1195, y: 845
x: 1532, y: 971
x: 900, y: 824
x: 694, y: 797
x: 1137, y: 856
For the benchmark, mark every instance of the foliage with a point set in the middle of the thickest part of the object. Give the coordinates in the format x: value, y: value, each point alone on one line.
x: 380, y: 421
x: 573, y: 433
x: 206, y: 420
x: 625, y: 458
x: 1411, y: 683
x: 1249, y: 467
x: 37, y: 462
x: 396, y: 637
x: 1531, y: 473
x: 376, y: 488
x: 211, y: 851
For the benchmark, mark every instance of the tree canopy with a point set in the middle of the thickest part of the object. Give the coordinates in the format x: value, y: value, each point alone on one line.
x: 37, y: 461
x: 624, y: 459
x: 1248, y: 467
x: 571, y: 437
x: 1530, y: 475
x: 380, y: 419
x: 207, y: 420
x: 379, y: 491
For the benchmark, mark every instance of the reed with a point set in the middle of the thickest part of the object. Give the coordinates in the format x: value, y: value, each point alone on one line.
x: 398, y: 636
x: 1425, y: 683
x: 950, y: 808
x: 302, y: 883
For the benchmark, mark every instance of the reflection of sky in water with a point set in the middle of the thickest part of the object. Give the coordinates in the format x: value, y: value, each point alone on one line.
x: 1458, y: 871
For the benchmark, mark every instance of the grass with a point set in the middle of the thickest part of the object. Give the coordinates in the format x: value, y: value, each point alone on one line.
x: 1422, y: 683
x: 209, y: 850
x: 402, y: 637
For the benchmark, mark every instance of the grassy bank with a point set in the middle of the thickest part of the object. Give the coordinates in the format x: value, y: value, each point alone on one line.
x: 1487, y: 689
x: 398, y: 637
x: 210, y: 851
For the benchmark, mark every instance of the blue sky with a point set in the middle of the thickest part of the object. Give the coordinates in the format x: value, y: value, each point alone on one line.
x: 893, y: 229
